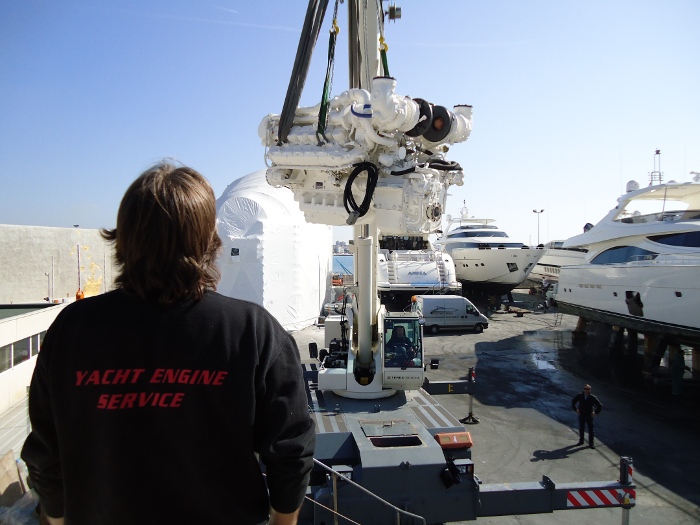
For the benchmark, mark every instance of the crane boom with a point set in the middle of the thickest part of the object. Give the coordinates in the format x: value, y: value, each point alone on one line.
x: 380, y: 166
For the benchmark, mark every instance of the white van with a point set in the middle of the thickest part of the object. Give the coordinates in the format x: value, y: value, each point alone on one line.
x: 450, y: 312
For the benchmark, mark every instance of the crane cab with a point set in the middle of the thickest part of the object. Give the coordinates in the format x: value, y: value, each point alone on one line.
x: 401, y: 343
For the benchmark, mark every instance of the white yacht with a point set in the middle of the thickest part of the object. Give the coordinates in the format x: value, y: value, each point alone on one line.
x: 642, y: 269
x: 486, y: 259
x: 408, y: 266
x: 554, y: 257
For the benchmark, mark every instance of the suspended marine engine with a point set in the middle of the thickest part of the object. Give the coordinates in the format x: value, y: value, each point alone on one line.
x: 379, y: 159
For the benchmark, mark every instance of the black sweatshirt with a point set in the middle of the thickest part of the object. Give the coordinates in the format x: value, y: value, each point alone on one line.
x: 143, y: 414
x: 586, y: 404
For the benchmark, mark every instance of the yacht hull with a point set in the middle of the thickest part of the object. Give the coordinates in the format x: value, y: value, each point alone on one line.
x: 648, y: 296
x: 494, y: 270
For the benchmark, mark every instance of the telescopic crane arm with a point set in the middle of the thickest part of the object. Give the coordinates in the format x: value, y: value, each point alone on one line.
x: 380, y: 165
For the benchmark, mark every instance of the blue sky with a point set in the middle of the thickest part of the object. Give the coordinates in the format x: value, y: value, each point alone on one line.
x: 571, y: 98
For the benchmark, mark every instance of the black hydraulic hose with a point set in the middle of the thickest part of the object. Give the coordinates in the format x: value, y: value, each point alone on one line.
x: 404, y: 172
x: 309, y: 34
x: 438, y: 164
x: 444, y: 165
x: 349, y: 202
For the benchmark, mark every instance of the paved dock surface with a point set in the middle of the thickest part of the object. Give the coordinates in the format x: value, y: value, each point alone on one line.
x: 527, y: 371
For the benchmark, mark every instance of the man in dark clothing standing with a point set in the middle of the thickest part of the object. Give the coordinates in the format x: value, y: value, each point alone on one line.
x: 156, y: 402
x: 587, y: 406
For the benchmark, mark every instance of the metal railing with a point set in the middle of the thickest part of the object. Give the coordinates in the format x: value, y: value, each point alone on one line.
x: 336, y: 515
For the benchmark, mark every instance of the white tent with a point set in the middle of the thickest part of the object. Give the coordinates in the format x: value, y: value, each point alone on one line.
x: 271, y: 255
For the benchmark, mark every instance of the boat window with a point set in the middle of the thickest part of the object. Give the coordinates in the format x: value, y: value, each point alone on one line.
x: 687, y: 239
x: 459, y: 234
x: 482, y: 245
x: 656, y: 210
x: 394, y: 242
x: 476, y: 227
x: 464, y: 245
x: 623, y: 254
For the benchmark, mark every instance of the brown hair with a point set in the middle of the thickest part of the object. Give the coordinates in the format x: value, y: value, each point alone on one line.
x: 166, y: 239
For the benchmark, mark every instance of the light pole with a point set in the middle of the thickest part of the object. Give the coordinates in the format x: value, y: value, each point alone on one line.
x: 538, y: 225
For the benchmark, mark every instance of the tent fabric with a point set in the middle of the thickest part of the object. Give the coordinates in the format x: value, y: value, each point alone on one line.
x: 271, y: 255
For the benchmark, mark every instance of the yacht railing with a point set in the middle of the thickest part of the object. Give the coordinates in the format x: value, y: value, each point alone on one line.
x: 412, y: 255
x: 670, y: 259
x: 665, y: 216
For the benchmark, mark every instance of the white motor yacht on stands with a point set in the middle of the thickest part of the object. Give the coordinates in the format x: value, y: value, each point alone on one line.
x: 486, y: 259
x: 642, y: 269
x: 554, y: 257
x: 411, y: 265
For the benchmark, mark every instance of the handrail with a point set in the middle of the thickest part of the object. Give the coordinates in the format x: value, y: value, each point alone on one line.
x: 381, y: 500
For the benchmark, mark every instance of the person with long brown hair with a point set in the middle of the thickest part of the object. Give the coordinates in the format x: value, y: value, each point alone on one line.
x: 157, y: 402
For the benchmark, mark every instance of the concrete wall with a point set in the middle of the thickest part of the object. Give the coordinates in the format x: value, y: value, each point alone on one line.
x: 26, y: 254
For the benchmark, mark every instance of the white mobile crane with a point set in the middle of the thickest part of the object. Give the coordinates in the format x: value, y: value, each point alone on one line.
x: 376, y: 160
x: 373, y: 159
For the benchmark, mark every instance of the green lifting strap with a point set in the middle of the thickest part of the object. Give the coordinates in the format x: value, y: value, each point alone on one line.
x: 385, y: 62
x: 383, y: 48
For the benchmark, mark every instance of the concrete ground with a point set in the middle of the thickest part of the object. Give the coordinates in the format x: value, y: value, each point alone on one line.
x: 527, y: 371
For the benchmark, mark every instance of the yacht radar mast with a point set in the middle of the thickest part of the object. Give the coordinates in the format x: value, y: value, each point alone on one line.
x: 656, y: 176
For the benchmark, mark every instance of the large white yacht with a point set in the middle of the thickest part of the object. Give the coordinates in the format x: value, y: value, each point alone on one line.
x: 408, y: 266
x: 486, y: 259
x: 642, y: 269
x: 554, y: 257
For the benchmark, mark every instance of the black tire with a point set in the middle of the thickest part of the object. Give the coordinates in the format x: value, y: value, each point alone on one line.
x: 434, y: 329
x: 478, y: 328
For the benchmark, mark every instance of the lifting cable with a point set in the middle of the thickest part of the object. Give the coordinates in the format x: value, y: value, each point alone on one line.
x: 309, y: 34
x: 328, y: 83
x: 349, y: 202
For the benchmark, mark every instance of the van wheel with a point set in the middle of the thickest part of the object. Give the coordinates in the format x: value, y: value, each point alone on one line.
x: 478, y: 328
x: 434, y: 329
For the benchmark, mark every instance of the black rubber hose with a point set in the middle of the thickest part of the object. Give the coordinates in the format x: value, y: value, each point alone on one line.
x: 404, y: 172
x: 444, y: 165
x: 349, y: 200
